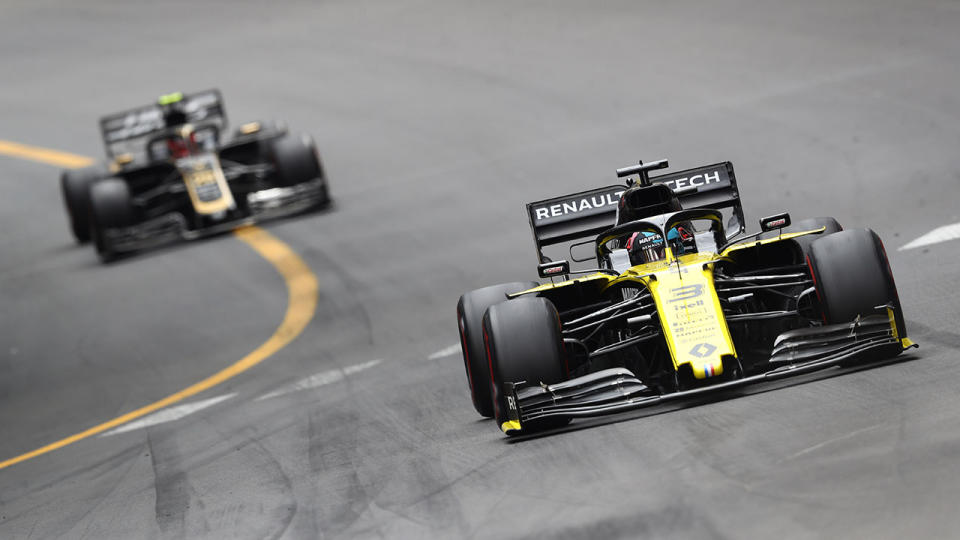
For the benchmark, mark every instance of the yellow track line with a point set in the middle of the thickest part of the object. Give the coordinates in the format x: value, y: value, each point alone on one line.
x: 302, y: 303
x: 44, y: 155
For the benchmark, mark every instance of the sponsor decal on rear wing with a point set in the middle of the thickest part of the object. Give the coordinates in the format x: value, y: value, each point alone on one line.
x: 711, y: 186
x: 707, y: 178
x: 201, y: 108
x: 572, y: 217
x: 589, y: 213
x: 581, y: 205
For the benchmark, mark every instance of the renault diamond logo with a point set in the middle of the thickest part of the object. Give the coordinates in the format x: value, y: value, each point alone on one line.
x: 702, y: 350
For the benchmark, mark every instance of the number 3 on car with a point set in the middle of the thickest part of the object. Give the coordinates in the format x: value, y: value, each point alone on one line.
x: 676, y: 302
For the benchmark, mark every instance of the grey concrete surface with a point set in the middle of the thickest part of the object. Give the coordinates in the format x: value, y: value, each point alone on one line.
x: 437, y: 121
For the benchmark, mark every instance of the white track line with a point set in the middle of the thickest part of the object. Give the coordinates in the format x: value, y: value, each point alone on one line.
x: 320, y: 379
x: 350, y: 370
x: 940, y: 234
x: 168, y: 415
x: 446, y: 351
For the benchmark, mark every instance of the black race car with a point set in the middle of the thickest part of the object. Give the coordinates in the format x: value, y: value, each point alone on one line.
x: 174, y: 172
x: 677, y: 302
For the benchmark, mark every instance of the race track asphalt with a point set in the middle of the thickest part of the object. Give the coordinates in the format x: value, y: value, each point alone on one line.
x: 437, y: 121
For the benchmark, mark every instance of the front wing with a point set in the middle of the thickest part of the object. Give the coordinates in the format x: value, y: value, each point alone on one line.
x: 264, y: 205
x: 618, y: 390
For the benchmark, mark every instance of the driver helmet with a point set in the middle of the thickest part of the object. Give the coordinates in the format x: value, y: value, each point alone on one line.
x: 173, y: 108
x: 645, y: 247
x: 182, y: 142
x: 682, y: 240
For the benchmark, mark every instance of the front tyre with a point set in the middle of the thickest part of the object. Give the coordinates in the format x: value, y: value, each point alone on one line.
x: 829, y: 224
x: 110, y: 208
x: 853, y: 277
x: 75, y: 187
x: 296, y: 160
x: 524, y: 344
x: 470, y: 310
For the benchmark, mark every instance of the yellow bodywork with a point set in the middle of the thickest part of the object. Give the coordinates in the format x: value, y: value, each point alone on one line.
x: 690, y: 314
x: 753, y: 243
x: 510, y: 426
x: 689, y: 309
x: 249, y: 128
x: 905, y: 342
x: 119, y: 162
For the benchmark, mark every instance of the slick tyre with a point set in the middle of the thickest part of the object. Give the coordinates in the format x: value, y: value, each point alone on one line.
x: 524, y: 343
x: 470, y: 310
x: 852, y: 276
x: 296, y: 161
x: 110, y: 208
x: 829, y: 224
x: 75, y: 187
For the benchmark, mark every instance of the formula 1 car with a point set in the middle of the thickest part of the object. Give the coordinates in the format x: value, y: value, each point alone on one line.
x: 174, y: 173
x: 680, y: 303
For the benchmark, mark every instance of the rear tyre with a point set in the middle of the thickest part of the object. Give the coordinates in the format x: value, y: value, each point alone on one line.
x: 852, y: 276
x: 110, y: 208
x: 75, y: 187
x: 470, y: 310
x: 296, y: 160
x: 524, y: 343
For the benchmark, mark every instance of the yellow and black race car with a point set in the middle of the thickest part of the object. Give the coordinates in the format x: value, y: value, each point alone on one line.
x: 678, y: 302
x: 173, y: 172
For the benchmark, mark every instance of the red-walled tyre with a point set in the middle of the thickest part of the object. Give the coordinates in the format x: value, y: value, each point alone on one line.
x: 524, y: 344
x: 853, y: 277
x: 470, y: 310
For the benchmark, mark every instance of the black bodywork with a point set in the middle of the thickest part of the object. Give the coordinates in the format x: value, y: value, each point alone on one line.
x: 160, y: 208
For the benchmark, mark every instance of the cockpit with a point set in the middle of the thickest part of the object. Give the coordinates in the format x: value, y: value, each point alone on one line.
x: 658, y: 238
x: 182, y: 141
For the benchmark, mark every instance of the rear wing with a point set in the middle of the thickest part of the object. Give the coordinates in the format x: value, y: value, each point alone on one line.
x: 588, y: 213
x: 127, y: 131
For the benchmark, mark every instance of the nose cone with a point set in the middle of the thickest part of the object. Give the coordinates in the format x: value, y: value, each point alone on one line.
x: 705, y: 361
x: 705, y: 370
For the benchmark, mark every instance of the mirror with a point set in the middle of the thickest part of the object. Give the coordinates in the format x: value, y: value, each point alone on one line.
x: 775, y: 222
x: 553, y: 269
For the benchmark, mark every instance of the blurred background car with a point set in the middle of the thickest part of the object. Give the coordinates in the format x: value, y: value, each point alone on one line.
x: 174, y: 172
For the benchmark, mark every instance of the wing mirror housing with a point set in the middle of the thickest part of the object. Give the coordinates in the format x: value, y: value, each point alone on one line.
x: 775, y: 222
x: 553, y: 269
